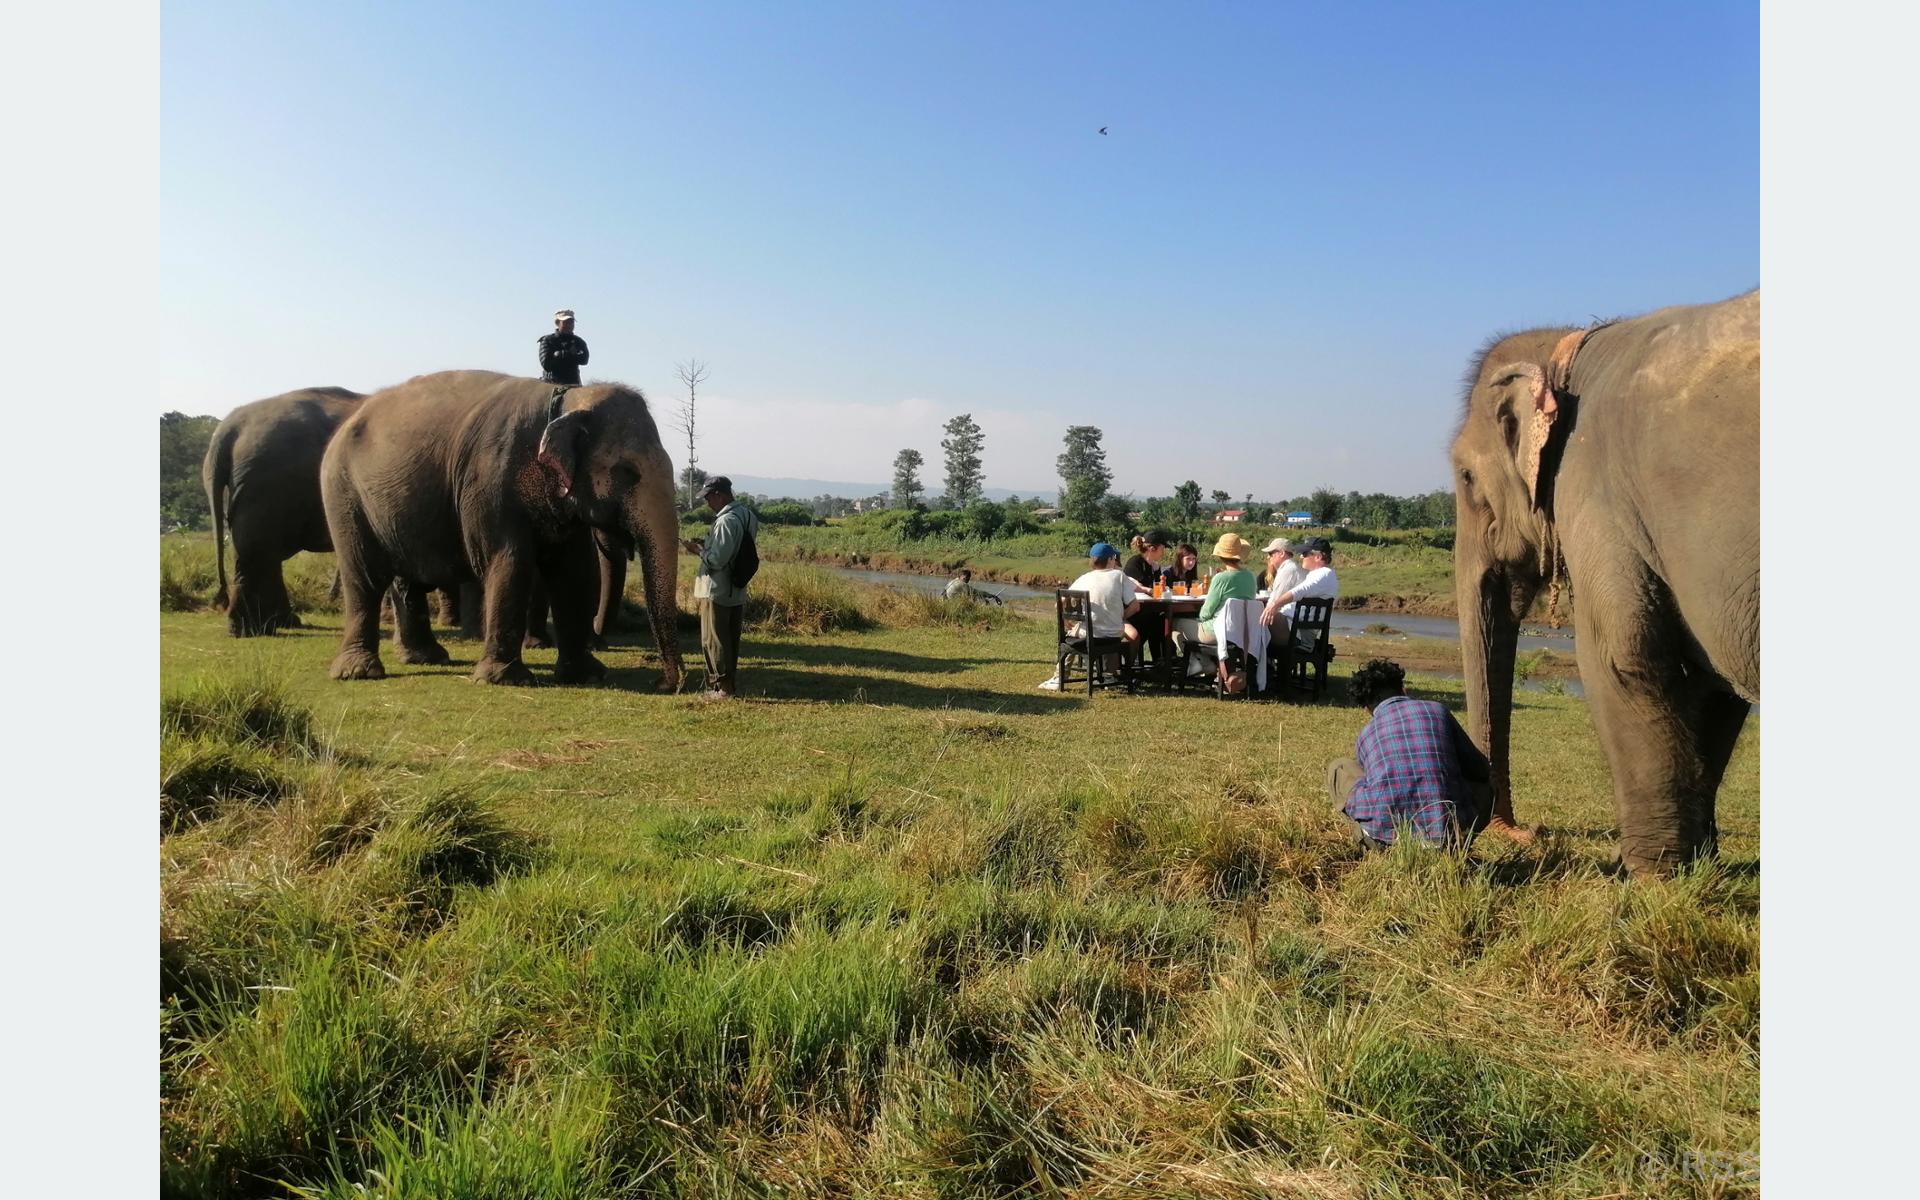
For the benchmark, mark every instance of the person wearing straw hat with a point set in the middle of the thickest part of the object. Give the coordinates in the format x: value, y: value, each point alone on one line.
x: 562, y: 352
x: 1231, y: 582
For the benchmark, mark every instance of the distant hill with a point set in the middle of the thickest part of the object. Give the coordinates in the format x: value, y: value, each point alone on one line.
x: 806, y: 489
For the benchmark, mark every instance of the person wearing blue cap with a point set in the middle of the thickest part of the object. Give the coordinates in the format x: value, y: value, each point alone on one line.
x: 1112, y: 596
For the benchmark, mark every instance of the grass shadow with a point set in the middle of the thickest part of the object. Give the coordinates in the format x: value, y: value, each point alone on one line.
x: 868, y: 657
x: 778, y: 684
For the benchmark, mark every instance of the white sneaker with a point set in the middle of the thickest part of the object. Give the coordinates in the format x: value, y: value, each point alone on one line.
x: 1051, y: 684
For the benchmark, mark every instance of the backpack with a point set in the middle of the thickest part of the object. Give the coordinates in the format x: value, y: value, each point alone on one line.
x: 747, y: 562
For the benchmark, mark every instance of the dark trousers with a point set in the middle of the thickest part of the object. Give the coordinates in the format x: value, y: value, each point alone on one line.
x: 720, y: 641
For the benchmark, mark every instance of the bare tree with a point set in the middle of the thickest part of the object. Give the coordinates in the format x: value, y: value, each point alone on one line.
x: 693, y: 373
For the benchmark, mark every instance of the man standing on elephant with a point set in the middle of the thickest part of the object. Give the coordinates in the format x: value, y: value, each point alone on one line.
x: 727, y: 561
x: 562, y: 352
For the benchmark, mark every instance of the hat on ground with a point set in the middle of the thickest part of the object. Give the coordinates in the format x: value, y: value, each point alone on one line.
x: 1231, y: 546
x: 1278, y: 544
x: 1101, y: 550
x: 1316, y: 545
x: 719, y: 483
x: 565, y: 314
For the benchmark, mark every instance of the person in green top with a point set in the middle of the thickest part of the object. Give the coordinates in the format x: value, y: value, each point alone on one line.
x: 1231, y: 583
x: 722, y: 604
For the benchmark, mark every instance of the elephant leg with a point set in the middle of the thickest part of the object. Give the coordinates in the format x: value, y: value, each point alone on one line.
x: 1644, y: 706
x: 473, y: 624
x: 507, y: 583
x: 283, y: 616
x: 252, y: 599
x: 538, y: 636
x: 413, y: 632
x: 1717, y: 730
x: 573, y: 585
x: 446, y: 606
x: 364, y: 576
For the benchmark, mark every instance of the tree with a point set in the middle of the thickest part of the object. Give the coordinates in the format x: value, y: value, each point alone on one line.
x: 1161, y: 510
x: 183, y: 447
x: 1187, y: 497
x: 1220, y: 497
x: 906, y: 478
x: 1084, y: 474
x: 1325, y: 505
x: 962, y: 448
x: 693, y: 373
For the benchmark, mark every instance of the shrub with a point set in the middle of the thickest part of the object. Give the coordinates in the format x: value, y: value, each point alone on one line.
x: 187, y: 577
x: 911, y: 608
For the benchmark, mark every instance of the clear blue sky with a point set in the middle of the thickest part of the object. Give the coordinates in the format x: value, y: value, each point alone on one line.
x: 1269, y: 275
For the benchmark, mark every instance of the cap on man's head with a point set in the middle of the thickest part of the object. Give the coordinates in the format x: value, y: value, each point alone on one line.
x: 1317, y: 545
x: 719, y: 483
x: 1278, y: 544
x: 1102, y: 550
x: 1158, y: 537
x: 565, y: 314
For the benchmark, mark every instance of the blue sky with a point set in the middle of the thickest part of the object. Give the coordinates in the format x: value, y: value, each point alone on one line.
x: 1268, y: 276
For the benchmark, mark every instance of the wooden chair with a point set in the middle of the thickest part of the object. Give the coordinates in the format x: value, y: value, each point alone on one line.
x: 1309, y: 648
x: 1071, y: 609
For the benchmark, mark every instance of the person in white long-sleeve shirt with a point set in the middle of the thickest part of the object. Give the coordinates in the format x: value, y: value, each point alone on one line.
x: 1319, y: 583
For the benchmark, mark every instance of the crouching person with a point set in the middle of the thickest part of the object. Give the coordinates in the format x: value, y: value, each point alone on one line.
x: 1414, y: 768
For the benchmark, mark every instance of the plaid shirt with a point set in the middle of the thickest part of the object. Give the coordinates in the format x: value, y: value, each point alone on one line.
x: 1416, y: 761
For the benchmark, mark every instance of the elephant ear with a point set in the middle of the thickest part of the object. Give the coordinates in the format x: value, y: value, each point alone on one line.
x: 1528, y: 412
x: 563, y: 445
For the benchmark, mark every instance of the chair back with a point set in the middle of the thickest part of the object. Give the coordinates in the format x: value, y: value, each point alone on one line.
x: 1312, y: 623
x: 1070, y: 608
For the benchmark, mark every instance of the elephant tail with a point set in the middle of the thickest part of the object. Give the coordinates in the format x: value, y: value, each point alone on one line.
x: 217, y: 474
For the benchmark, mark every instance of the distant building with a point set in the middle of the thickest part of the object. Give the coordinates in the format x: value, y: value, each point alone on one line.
x: 1299, y: 518
x: 1230, y: 516
x: 1045, y: 514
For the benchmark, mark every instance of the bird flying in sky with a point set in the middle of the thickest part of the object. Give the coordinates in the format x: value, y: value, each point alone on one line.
x: 1103, y: 130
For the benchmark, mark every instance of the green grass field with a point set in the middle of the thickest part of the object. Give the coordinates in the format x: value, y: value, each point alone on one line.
x: 899, y: 924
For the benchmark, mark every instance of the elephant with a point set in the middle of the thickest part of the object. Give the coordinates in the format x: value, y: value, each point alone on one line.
x: 262, y: 475
x: 1624, y: 458
x: 472, y: 476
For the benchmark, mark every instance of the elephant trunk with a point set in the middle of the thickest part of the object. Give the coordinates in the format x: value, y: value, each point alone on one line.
x: 653, y: 523
x: 1489, y: 636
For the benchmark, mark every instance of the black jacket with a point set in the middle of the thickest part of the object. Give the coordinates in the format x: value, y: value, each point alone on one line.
x: 561, y: 357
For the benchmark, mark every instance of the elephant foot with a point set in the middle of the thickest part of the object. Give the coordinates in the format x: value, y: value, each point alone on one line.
x: 670, y: 681
x: 1518, y: 835
x: 534, y: 641
x: 508, y: 674
x: 585, y: 669
x: 433, y: 654
x: 357, y: 664
x: 288, y: 620
x: 597, y: 642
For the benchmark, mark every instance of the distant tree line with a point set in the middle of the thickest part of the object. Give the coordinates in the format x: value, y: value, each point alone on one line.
x: 183, y: 447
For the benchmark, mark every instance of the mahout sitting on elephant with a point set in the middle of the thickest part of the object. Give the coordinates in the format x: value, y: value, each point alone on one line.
x: 1625, y: 459
x: 262, y: 475
x: 466, y: 476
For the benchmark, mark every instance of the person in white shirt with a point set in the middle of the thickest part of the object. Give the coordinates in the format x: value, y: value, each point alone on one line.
x: 1283, y: 569
x: 1319, y: 583
x: 1113, y: 598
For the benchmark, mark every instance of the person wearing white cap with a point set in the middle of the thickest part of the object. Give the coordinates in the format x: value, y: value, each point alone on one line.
x: 1283, y: 569
x: 562, y: 352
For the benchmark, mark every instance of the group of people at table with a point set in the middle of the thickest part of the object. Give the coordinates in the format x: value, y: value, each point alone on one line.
x: 1118, y: 593
x: 1414, y: 770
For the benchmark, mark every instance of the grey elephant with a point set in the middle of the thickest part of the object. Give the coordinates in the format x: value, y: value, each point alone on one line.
x: 1626, y: 458
x: 471, y: 476
x: 262, y: 475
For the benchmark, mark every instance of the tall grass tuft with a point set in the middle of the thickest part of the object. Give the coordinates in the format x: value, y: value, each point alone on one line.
x: 201, y: 775
x: 187, y: 577
x: 910, y: 608
x: 251, y: 709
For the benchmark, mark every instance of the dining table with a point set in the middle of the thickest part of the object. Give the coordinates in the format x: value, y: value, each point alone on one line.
x: 1154, y: 619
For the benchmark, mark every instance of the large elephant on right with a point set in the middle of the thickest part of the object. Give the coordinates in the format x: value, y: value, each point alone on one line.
x: 1626, y: 459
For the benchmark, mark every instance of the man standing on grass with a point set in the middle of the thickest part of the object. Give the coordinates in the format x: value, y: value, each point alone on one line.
x: 562, y: 352
x: 728, y: 559
x: 1415, y: 768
